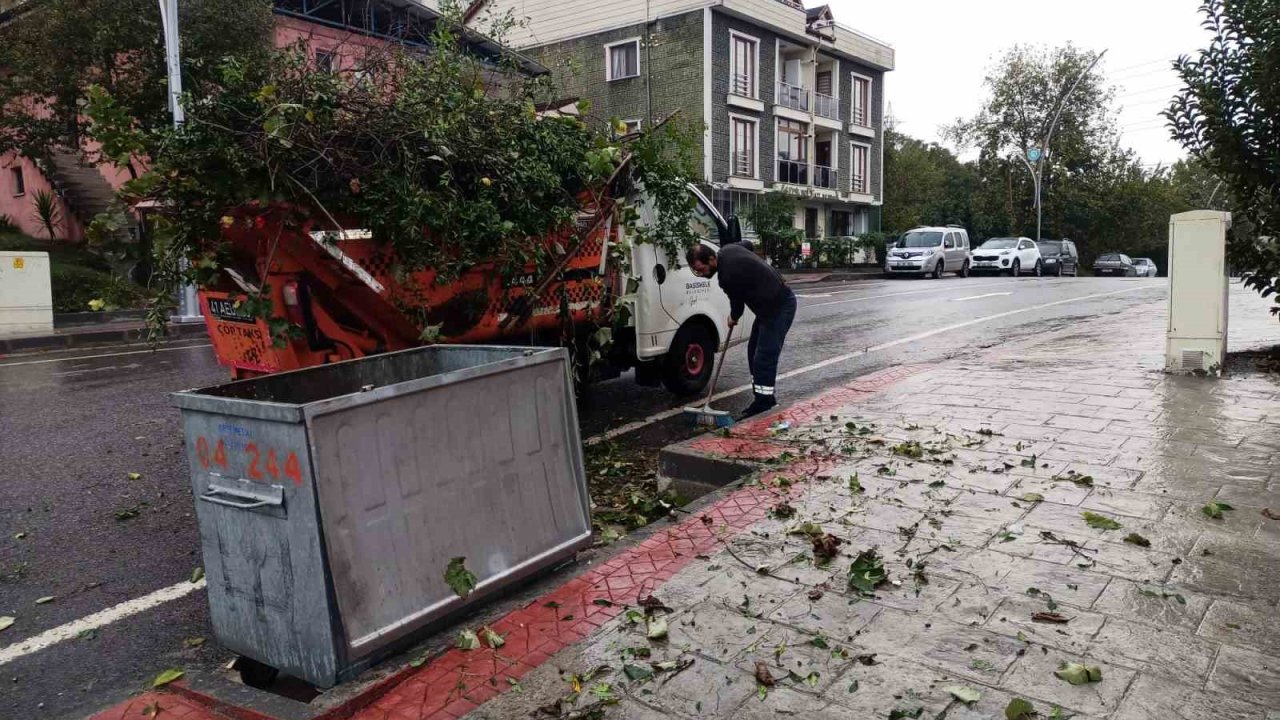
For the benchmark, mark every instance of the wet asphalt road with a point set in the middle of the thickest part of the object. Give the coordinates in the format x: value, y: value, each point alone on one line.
x: 73, y: 429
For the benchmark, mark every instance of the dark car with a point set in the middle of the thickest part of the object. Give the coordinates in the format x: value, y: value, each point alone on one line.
x: 1114, y: 264
x: 1060, y: 257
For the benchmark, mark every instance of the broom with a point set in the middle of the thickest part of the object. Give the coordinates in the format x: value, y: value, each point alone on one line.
x: 705, y: 415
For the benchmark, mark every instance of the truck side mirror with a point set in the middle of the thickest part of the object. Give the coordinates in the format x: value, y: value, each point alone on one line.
x: 732, y: 233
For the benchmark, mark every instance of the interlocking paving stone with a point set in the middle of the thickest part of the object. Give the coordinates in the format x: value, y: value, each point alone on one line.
x: 1033, y: 675
x: 1156, y: 698
x: 1242, y: 672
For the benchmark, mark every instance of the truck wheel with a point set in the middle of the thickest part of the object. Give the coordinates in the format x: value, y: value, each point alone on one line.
x: 690, y: 360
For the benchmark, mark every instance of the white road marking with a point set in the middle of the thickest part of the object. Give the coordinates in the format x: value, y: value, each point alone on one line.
x: 979, y: 297
x: 673, y: 412
x: 821, y: 295
x: 909, y: 292
x: 52, y: 637
x: 105, y: 355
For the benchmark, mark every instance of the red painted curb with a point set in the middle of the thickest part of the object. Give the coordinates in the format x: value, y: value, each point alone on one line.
x: 457, y: 682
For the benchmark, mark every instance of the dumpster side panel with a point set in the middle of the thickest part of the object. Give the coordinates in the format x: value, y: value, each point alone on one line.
x: 487, y: 468
x: 255, y: 501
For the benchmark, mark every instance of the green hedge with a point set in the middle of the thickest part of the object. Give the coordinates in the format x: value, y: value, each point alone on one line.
x: 78, y: 275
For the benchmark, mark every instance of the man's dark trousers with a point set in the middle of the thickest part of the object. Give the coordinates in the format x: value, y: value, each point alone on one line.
x: 767, y: 336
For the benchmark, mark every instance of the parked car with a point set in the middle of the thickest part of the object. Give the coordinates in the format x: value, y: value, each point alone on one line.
x: 1014, y: 255
x: 931, y: 251
x: 1060, y: 257
x: 1145, y: 267
x: 1114, y: 264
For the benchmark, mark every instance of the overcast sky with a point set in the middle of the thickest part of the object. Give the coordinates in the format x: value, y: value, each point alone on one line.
x: 944, y: 48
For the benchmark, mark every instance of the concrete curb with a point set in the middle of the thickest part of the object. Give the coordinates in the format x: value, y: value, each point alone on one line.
x: 805, y: 278
x: 96, y: 338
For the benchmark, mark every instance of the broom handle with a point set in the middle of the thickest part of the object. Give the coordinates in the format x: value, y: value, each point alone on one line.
x: 720, y: 366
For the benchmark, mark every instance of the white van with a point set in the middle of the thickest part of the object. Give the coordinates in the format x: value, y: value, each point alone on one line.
x: 680, y: 320
x: 930, y: 251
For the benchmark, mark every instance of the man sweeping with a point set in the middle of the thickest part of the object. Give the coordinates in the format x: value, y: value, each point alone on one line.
x: 753, y: 283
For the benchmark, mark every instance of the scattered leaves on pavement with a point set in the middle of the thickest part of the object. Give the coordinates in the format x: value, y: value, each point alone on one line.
x: 1136, y: 539
x: 197, y: 575
x: 420, y: 660
x: 763, y: 676
x: 1029, y: 461
x: 825, y: 548
x: 1084, y: 481
x: 782, y: 511
x: 855, y: 485
x: 1078, y: 673
x: 637, y: 672
x: 867, y: 572
x: 1266, y: 513
x: 468, y: 640
x: 903, y: 713
x: 1033, y: 497
x: 129, y: 513
x: 492, y: 638
x: 656, y: 627
x: 983, y: 665
x: 1214, y: 509
x: 910, y: 449
x: 193, y: 642
x: 816, y: 594
x: 1019, y: 709
x: 867, y: 659
x: 167, y: 677
x: 1048, y: 599
x: 1163, y: 595
x: 135, y: 476
x: 1100, y: 522
x: 963, y: 693
x: 459, y: 578
x: 152, y: 710
x: 44, y: 600
x: 87, y: 634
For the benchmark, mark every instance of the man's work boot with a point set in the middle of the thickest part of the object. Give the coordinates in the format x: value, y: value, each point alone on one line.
x: 762, y: 403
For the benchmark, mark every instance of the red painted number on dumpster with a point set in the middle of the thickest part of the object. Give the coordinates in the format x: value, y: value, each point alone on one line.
x: 292, y: 467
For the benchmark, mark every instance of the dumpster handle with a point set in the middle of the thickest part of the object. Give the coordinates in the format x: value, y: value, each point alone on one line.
x: 256, y: 499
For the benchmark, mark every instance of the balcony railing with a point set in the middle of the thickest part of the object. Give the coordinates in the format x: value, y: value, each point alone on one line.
x: 824, y: 177
x: 859, y: 184
x: 826, y: 106
x: 743, y: 164
x: 742, y: 84
x: 796, y: 98
x: 793, y: 172
x: 860, y: 116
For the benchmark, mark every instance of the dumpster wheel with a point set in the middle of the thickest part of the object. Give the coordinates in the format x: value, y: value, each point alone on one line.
x: 255, y: 674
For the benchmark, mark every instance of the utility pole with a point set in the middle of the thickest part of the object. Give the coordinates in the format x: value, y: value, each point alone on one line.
x: 188, y: 303
x: 1038, y: 155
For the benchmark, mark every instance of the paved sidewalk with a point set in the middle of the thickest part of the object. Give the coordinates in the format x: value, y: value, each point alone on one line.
x: 1036, y: 505
x: 120, y: 332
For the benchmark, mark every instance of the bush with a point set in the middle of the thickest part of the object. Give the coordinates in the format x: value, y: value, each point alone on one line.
x: 74, y: 286
x: 7, y: 225
x: 877, y: 242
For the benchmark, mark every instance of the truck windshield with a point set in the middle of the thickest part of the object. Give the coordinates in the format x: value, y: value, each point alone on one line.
x: 920, y: 240
x: 1000, y: 244
x: 703, y: 222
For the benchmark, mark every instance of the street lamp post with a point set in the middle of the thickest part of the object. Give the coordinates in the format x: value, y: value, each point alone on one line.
x: 188, y: 303
x: 1038, y: 155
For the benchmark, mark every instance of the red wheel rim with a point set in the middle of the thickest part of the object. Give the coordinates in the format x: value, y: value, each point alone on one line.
x: 694, y: 358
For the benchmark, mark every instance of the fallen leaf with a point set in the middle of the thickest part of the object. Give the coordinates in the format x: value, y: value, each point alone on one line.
x: 1078, y: 673
x: 762, y: 691
x: 1100, y: 522
x: 763, y: 676
x: 1266, y: 513
x: 135, y: 476
x: 1019, y: 709
x: 1050, y: 617
x: 820, y: 642
x: 44, y: 600
x: 468, y: 640
x: 867, y: 572
x: 193, y: 642
x: 21, y: 535
x: 87, y: 634
x: 459, y: 578
x: 656, y: 628
x: 782, y: 511
x: 853, y: 687
x: 963, y: 693
x: 1214, y: 509
x: 167, y: 677
x: 1032, y: 497
x: 855, y: 485
x: 152, y: 710
x: 867, y: 658
x: 637, y: 672
x: 652, y: 604
x: 825, y: 548
x: 7, y: 621
x: 815, y: 594
x: 1136, y: 539
x: 491, y: 638
x: 420, y: 660
x: 197, y: 575
x: 914, y: 711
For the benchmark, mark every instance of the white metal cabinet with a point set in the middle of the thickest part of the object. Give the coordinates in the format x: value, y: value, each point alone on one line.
x: 1197, y: 333
x: 26, y: 294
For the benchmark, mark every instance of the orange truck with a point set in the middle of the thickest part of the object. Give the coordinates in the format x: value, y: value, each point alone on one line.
x: 340, y: 292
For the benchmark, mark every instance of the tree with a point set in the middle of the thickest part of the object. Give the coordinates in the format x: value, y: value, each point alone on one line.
x: 52, y: 54
x: 925, y: 184
x: 773, y: 219
x: 1227, y: 115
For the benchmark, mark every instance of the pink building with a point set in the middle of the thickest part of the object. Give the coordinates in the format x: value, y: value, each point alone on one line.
x: 334, y: 29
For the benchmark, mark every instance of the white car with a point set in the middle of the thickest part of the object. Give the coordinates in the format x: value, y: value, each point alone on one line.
x: 1014, y: 255
x: 1144, y: 267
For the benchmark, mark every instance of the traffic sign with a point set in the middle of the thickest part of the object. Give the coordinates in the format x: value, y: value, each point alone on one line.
x: 1033, y: 154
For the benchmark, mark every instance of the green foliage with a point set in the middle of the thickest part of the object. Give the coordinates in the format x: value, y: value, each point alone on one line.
x: 876, y: 243
x: 7, y: 225
x: 443, y: 156
x: 45, y: 210
x: 1227, y: 115
x: 459, y: 579
x: 773, y: 219
x: 925, y: 184
x: 74, y: 286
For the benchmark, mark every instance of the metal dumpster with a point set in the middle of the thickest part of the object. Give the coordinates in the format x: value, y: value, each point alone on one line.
x: 330, y: 500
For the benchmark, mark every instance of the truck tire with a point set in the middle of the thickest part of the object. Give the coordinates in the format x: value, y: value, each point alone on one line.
x: 690, y: 360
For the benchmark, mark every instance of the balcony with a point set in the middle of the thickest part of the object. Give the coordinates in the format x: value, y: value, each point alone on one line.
x: 794, y: 97
x: 824, y: 177
x: 793, y: 172
x: 826, y: 106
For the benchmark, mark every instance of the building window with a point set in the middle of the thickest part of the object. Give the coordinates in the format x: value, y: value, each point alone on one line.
x: 744, y: 64
x: 793, y: 152
x: 742, y: 146
x: 861, y: 168
x: 326, y: 61
x: 622, y: 60
x: 19, y: 183
x: 861, y: 101
x: 628, y: 127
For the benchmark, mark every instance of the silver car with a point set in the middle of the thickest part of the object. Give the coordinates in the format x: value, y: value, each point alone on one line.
x: 930, y: 251
x: 1145, y: 267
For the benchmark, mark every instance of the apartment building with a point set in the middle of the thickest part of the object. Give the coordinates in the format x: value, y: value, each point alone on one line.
x: 790, y: 98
